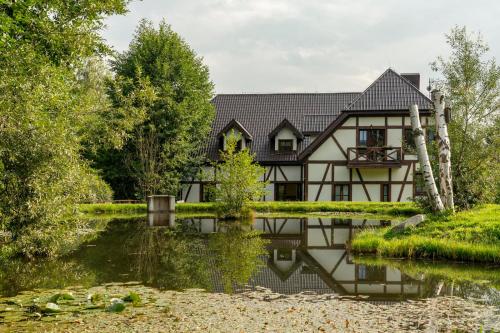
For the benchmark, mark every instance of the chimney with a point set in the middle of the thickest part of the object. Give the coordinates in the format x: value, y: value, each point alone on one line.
x: 414, y: 78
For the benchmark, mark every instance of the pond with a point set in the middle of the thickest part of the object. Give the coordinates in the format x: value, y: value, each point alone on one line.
x: 287, y: 255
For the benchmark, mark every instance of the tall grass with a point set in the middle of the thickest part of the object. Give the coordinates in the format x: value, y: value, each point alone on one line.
x: 389, y: 208
x: 467, y: 236
x: 386, y: 208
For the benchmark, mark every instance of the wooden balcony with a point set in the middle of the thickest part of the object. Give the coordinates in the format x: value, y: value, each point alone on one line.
x: 374, y: 157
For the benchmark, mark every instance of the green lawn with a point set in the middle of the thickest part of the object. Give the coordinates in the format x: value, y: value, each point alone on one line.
x: 466, y: 236
x: 385, y: 208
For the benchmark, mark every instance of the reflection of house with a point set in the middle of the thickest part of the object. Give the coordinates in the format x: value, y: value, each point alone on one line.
x: 325, y: 147
x: 309, y: 254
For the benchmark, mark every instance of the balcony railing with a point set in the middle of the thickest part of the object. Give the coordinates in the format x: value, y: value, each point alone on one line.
x: 374, y: 157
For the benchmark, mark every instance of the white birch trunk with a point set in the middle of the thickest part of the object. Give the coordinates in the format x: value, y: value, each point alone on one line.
x: 423, y: 158
x: 444, y: 150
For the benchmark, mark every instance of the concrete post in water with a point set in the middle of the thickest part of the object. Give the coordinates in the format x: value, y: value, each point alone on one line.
x: 161, y: 204
x: 161, y: 210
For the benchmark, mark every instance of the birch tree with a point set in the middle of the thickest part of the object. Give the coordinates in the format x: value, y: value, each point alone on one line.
x: 470, y: 79
x: 423, y: 158
x: 444, y: 150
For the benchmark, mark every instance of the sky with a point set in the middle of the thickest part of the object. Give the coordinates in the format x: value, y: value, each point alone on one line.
x: 272, y: 46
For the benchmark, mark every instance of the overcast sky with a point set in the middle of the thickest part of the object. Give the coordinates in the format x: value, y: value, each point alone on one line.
x: 311, y: 45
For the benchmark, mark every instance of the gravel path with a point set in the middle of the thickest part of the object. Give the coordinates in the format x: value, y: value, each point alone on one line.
x: 262, y: 310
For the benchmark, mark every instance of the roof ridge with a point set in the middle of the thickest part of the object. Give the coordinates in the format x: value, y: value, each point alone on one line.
x: 349, y: 105
x: 388, y: 70
x: 294, y: 93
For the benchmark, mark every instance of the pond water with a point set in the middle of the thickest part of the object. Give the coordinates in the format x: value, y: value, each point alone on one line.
x: 287, y: 255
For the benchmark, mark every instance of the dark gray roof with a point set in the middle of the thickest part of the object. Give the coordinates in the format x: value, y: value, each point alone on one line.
x: 316, y: 123
x: 260, y: 114
x: 390, y: 92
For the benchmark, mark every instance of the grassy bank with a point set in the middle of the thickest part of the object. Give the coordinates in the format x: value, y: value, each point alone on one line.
x: 385, y: 208
x: 473, y: 235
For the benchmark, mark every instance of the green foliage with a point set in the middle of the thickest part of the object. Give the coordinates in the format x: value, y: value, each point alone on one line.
x: 237, y: 254
x: 178, y: 113
x: 472, y: 85
x: 116, y: 307
x: 59, y: 30
x: 385, y: 208
x: 469, y: 235
x: 53, y: 108
x: 238, y: 179
x: 133, y: 298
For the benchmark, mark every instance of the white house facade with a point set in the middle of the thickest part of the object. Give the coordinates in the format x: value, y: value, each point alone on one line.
x: 327, y: 146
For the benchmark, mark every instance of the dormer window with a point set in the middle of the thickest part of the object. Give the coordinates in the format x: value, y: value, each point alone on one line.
x: 285, y: 137
x: 234, y: 127
x: 285, y: 145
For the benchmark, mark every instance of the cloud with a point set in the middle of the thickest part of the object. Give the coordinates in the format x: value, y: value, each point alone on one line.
x: 308, y: 46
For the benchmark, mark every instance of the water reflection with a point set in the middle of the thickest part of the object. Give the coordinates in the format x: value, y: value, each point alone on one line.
x: 286, y: 255
x: 310, y: 254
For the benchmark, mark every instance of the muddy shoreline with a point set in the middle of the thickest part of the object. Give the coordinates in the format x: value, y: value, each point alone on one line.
x: 251, y: 311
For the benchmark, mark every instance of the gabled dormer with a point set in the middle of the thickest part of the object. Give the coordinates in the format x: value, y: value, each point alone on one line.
x: 285, y: 137
x: 238, y: 129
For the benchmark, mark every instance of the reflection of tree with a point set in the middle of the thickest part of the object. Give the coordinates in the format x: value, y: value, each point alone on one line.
x: 170, y: 259
x: 18, y: 275
x: 237, y: 254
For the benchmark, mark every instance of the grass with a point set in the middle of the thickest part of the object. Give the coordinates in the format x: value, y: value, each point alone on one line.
x: 385, y: 208
x: 472, y: 235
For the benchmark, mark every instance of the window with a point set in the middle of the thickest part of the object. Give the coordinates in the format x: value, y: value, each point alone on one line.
x: 409, y: 141
x: 371, y: 137
x: 285, y: 145
x: 287, y: 192
x: 207, y: 192
x: 342, y: 192
x: 371, y: 273
x: 385, y: 192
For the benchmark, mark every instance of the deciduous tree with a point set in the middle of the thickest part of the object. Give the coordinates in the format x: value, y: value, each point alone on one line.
x: 179, y: 113
x: 471, y: 81
x: 238, y: 178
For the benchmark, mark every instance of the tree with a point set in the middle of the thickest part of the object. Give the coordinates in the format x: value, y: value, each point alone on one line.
x: 472, y: 85
x: 423, y: 158
x: 444, y: 150
x: 53, y: 106
x: 64, y: 32
x: 238, y: 178
x: 178, y: 115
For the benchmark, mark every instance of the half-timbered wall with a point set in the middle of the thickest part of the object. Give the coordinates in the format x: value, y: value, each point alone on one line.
x: 192, y: 191
x: 327, y: 168
x: 281, y: 174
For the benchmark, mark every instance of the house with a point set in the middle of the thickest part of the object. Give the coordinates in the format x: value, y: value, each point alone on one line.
x: 326, y: 146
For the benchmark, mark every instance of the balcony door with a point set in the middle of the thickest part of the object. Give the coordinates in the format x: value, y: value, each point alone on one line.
x: 371, y: 137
